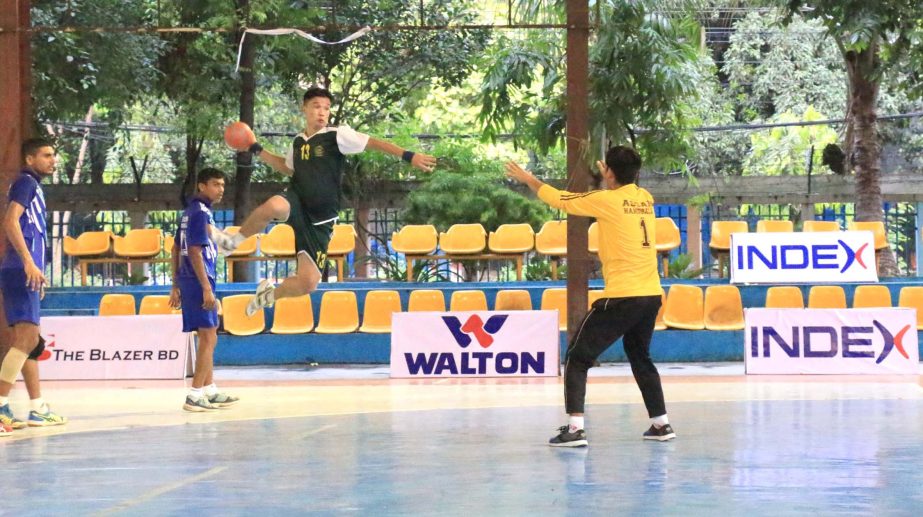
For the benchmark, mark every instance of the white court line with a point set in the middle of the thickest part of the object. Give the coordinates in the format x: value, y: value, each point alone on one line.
x: 162, y: 490
x: 318, y: 430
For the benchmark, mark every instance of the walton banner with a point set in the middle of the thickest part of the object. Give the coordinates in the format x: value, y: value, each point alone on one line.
x: 474, y: 344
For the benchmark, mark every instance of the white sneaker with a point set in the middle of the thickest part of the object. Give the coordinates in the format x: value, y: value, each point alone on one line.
x: 262, y: 299
x: 225, y: 241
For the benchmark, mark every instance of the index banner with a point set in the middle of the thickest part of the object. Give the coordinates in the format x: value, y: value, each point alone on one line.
x: 474, y: 344
x: 834, y: 341
x: 114, y: 347
x: 803, y: 258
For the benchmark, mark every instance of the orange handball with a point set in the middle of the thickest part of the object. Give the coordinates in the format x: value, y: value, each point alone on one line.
x: 239, y: 136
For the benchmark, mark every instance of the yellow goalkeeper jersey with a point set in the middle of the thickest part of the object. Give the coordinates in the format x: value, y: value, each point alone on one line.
x: 626, y: 235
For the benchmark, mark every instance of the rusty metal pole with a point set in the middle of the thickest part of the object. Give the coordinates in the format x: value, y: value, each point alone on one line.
x: 578, y: 145
x: 15, y: 104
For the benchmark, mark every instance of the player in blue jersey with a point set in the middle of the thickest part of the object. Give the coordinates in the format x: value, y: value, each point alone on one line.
x: 194, y: 255
x: 22, y: 282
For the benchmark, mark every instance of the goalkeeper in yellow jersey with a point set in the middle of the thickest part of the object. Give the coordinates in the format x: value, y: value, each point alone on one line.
x: 631, y: 300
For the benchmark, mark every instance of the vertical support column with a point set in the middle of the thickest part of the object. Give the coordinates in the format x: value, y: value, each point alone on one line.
x: 362, y: 225
x: 807, y: 212
x: 136, y: 219
x: 15, y: 103
x: 694, y: 235
x: 578, y: 136
x: 918, y: 238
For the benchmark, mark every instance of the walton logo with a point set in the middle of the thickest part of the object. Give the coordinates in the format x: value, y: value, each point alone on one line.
x: 483, y: 332
x: 847, y: 341
x: 798, y: 256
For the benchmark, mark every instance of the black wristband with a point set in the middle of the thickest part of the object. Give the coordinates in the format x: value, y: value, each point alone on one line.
x: 408, y: 156
x: 256, y: 148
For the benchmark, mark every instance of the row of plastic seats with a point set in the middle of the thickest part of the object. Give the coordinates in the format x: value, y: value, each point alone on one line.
x: 551, y: 240
x: 721, y: 230
x: 137, y: 243
x: 721, y: 308
x: 279, y: 241
x: 122, y: 304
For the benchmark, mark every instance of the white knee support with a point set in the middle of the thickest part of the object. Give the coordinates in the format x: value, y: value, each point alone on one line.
x: 12, y: 365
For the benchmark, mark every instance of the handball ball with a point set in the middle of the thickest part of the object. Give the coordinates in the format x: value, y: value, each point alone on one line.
x: 239, y: 136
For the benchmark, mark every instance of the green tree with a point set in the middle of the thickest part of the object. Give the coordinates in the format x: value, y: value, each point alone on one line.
x: 873, y: 38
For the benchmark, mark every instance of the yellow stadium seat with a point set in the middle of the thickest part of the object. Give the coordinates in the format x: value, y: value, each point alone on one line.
x: 468, y: 301
x: 379, y: 306
x: 139, y: 243
x: 784, y: 297
x: 912, y: 298
x: 820, y: 226
x: 592, y: 296
x: 511, y: 238
x: 724, y: 309
x: 343, y: 240
x: 826, y: 297
x: 668, y: 239
x: 426, y: 300
x: 168, y: 244
x: 592, y: 240
x: 552, y: 239
x: 463, y: 239
x: 246, y: 248
x: 117, y: 305
x: 236, y: 321
x: 156, y: 304
x: 876, y: 227
x: 513, y: 300
x: 659, y: 324
x: 88, y: 244
x: 720, y: 244
x: 415, y: 239
x: 279, y: 242
x: 339, y: 313
x: 772, y: 226
x: 685, y: 308
x: 556, y: 298
x: 293, y: 315
x: 871, y: 296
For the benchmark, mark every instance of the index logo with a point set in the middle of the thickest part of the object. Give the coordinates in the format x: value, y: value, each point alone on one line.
x: 828, y: 341
x: 800, y: 256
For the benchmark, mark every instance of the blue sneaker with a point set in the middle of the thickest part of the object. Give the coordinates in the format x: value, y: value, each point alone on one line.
x: 46, y: 419
x: 8, y: 420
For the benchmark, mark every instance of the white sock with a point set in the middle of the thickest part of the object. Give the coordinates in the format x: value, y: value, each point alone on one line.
x: 575, y: 423
x: 660, y: 421
x: 38, y: 405
x: 4, y: 401
x: 196, y: 393
x: 211, y: 390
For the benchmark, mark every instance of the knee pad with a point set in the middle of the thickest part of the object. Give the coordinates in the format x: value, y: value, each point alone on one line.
x: 12, y: 365
x: 39, y: 348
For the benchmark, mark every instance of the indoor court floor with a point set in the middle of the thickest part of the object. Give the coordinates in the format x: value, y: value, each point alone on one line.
x: 350, y: 440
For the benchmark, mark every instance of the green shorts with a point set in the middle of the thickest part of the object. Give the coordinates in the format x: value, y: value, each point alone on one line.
x: 312, y: 239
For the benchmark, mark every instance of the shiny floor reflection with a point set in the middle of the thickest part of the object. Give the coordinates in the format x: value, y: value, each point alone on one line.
x: 779, y: 457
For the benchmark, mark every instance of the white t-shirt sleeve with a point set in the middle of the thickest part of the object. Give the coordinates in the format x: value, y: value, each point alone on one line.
x: 290, y: 157
x: 351, y: 141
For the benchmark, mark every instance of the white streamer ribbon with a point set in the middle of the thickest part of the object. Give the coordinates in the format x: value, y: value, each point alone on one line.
x: 280, y: 32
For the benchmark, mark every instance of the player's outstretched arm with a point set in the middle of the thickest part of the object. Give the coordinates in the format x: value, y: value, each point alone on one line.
x: 273, y: 160
x: 424, y: 162
x: 576, y: 204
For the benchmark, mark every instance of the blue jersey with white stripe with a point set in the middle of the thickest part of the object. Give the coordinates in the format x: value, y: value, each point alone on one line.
x: 194, y: 231
x: 27, y: 192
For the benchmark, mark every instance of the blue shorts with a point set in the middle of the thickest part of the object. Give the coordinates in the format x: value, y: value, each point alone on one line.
x: 194, y: 316
x: 20, y: 304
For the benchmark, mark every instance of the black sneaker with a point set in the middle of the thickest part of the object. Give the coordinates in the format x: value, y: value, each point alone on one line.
x: 566, y: 438
x: 661, y: 435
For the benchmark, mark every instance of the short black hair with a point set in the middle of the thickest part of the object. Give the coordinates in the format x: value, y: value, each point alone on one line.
x: 209, y: 173
x: 316, y: 91
x: 31, y: 146
x: 625, y: 163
